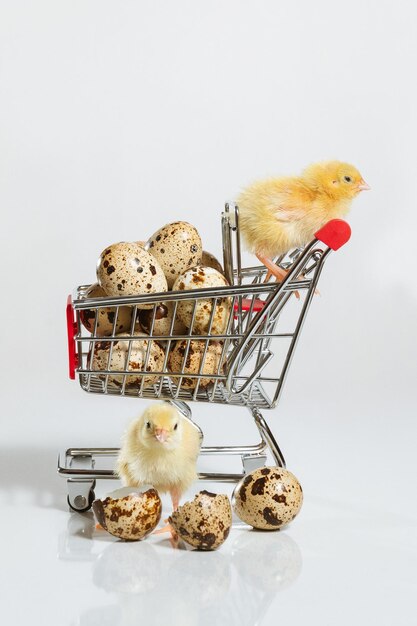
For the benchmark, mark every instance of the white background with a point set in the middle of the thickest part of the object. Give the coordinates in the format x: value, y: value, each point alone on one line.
x: 117, y: 117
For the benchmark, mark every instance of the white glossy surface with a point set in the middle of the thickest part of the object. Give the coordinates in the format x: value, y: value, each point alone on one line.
x: 349, y: 557
x: 118, y: 117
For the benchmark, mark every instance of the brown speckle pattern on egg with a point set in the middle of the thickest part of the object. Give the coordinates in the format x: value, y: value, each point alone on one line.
x: 202, y: 277
x: 101, y: 354
x: 130, y: 518
x: 205, y: 522
x: 268, y: 498
x: 126, y: 269
x: 177, y: 247
x: 106, y: 315
x: 163, y: 319
x: 192, y: 361
x: 209, y: 260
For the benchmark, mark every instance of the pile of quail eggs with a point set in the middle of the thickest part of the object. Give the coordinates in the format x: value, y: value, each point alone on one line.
x: 266, y: 499
x: 172, y: 259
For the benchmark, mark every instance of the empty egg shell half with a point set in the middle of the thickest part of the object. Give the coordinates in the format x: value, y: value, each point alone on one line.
x: 176, y: 247
x: 205, y: 522
x: 106, y: 315
x: 162, y: 321
x: 202, y: 277
x: 137, y: 357
x: 130, y: 518
x: 192, y: 361
x: 268, y: 498
x: 126, y: 269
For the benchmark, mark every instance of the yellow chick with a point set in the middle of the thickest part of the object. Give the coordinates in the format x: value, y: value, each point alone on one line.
x: 160, y: 448
x: 278, y: 214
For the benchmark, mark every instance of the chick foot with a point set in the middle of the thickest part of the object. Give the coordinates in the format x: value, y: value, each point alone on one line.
x: 275, y: 270
x: 168, y: 529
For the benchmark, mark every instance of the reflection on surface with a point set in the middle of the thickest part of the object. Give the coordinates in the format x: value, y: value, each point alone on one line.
x: 76, y: 544
x: 267, y: 561
x: 155, y: 584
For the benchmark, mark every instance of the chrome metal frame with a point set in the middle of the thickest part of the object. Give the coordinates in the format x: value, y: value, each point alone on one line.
x: 250, y: 342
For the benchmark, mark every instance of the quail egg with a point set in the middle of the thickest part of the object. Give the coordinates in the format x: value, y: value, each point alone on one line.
x: 106, y: 315
x: 131, y: 518
x: 205, y: 522
x: 268, y: 498
x: 119, y: 353
x: 177, y: 247
x: 193, y: 360
x: 163, y: 319
x: 202, y: 277
x: 209, y: 260
x: 126, y: 269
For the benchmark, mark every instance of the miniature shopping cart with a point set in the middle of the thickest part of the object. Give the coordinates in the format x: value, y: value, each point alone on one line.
x: 253, y: 350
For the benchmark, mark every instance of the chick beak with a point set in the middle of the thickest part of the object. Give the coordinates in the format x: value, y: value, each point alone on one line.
x: 363, y: 186
x: 161, y: 434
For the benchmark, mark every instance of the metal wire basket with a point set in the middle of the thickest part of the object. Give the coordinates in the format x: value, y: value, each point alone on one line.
x: 243, y: 359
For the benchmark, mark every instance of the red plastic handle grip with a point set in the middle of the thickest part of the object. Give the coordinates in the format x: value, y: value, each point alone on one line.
x: 258, y: 305
x: 334, y: 234
x: 72, y: 331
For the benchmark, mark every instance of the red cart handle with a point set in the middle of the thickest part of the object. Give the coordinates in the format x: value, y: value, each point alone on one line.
x: 334, y: 234
x: 72, y: 329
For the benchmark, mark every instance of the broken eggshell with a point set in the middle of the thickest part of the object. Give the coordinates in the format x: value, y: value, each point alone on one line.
x: 204, y: 522
x: 130, y: 518
x: 268, y: 498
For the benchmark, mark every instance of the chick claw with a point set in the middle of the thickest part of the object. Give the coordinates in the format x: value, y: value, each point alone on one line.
x: 168, y: 529
x: 275, y: 270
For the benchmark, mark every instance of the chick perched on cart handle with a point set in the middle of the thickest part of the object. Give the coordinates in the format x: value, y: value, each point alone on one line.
x: 160, y: 448
x: 278, y: 214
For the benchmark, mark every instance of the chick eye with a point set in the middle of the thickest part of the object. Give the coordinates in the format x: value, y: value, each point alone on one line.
x: 176, y: 426
x: 347, y: 179
x: 148, y: 424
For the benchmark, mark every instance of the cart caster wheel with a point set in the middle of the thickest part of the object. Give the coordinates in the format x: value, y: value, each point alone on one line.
x: 81, y: 497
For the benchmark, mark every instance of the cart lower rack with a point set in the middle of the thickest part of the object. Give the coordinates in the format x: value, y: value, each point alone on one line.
x: 241, y: 356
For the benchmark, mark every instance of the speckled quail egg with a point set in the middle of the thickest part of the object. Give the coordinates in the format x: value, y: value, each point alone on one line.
x: 202, y: 277
x: 126, y: 269
x: 100, y: 360
x: 205, y: 522
x: 131, y: 518
x: 209, y: 260
x: 268, y: 498
x: 106, y: 315
x: 163, y: 319
x: 177, y: 247
x: 193, y: 360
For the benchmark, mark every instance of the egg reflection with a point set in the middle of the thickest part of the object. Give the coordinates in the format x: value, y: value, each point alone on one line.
x: 133, y: 568
x: 270, y: 566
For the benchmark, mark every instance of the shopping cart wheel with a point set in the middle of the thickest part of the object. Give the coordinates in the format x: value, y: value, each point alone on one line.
x: 81, y: 495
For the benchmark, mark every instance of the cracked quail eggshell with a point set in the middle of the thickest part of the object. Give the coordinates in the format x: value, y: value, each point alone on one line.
x: 176, y: 247
x: 126, y: 269
x: 204, y: 522
x: 130, y: 518
x: 106, y: 315
x: 100, y: 360
x: 202, y: 277
x: 268, y: 498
